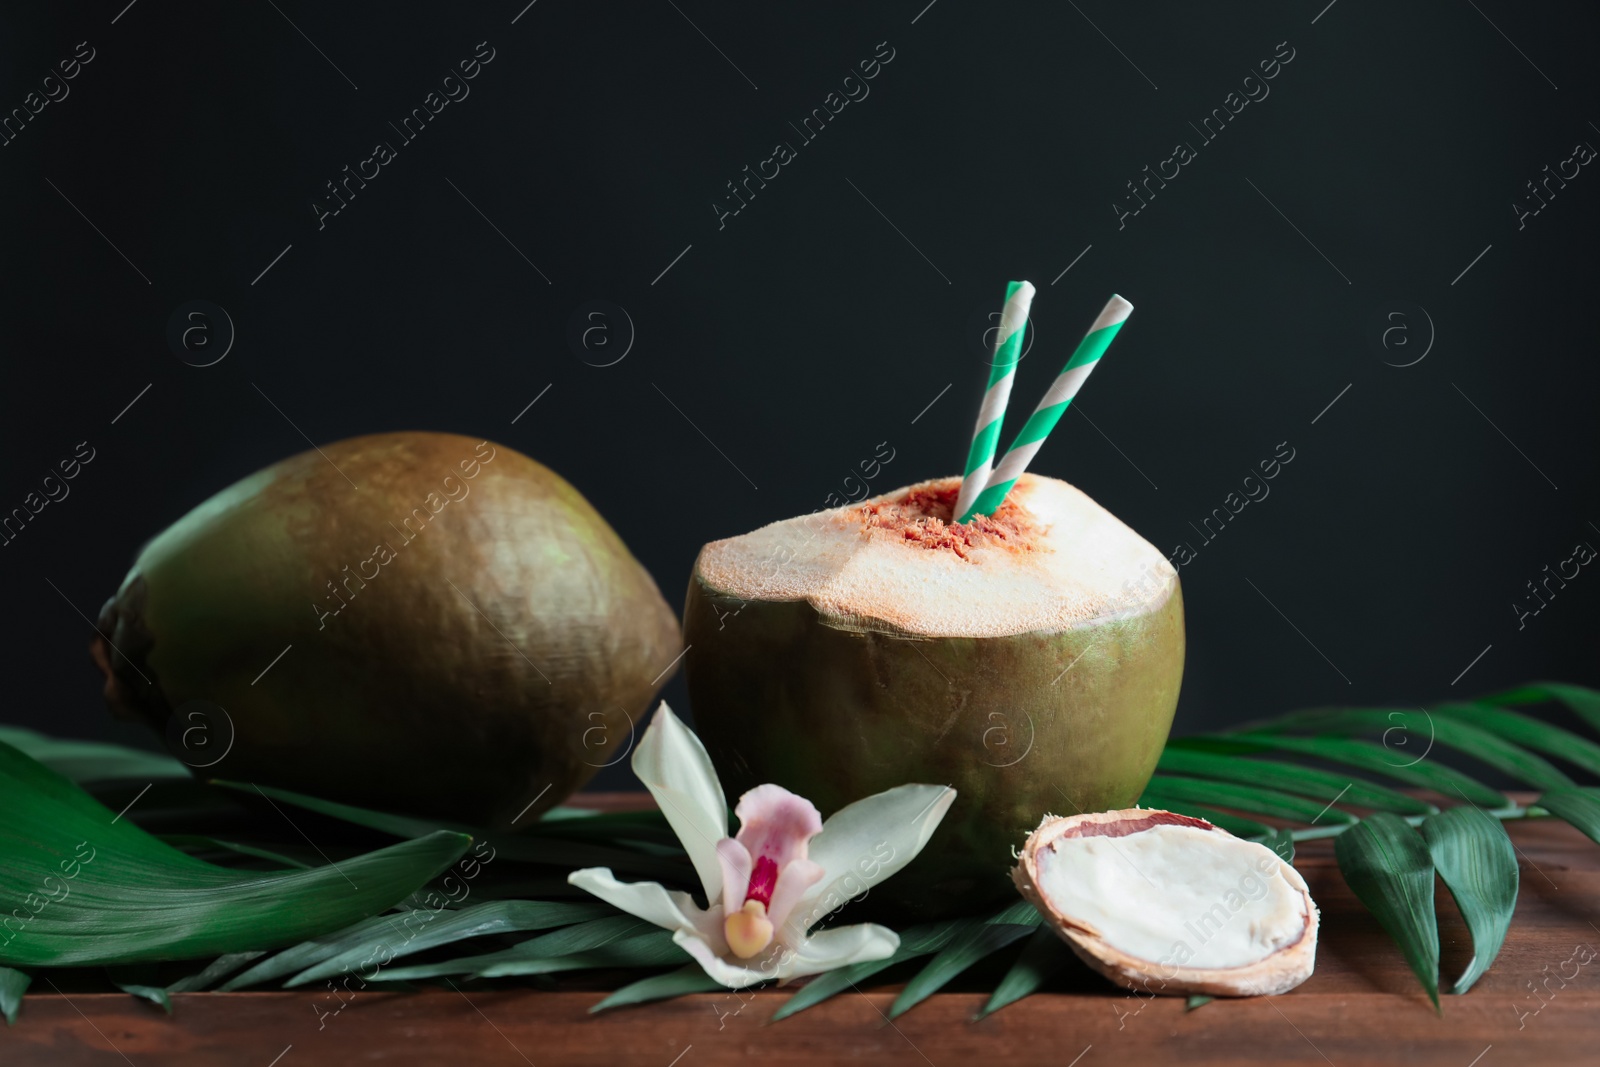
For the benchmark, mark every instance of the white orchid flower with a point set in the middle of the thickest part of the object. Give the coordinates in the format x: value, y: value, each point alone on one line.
x: 784, y: 871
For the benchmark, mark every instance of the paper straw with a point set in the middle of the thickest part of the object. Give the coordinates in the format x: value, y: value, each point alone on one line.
x: 1051, y: 408
x: 1002, y: 372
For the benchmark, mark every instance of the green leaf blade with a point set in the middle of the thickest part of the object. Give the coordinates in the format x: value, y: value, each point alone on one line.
x: 965, y: 949
x: 92, y: 761
x: 916, y: 942
x: 99, y: 890
x: 1584, y: 703
x: 653, y: 949
x: 1378, y: 759
x: 1474, y: 855
x: 405, y: 826
x: 213, y: 972
x: 1257, y: 801
x: 1579, y: 806
x: 689, y: 979
x: 1387, y: 865
x: 1466, y: 738
x: 1042, y: 957
x: 1528, y: 732
x: 621, y: 940
x: 405, y: 935
x: 13, y: 984
x: 1290, y: 778
x: 155, y: 994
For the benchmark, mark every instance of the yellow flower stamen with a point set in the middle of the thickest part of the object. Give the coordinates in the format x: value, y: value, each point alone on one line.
x: 748, y: 930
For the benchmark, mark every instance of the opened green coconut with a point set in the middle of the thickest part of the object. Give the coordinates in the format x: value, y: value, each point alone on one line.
x: 1031, y: 659
x: 413, y: 622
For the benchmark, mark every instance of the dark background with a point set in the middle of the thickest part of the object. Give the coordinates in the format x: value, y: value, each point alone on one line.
x: 831, y: 311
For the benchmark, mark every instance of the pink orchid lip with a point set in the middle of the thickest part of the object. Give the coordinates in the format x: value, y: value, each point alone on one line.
x: 776, y: 824
x: 767, y: 861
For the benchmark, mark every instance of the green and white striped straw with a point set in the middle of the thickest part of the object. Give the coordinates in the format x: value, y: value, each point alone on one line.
x: 1002, y: 372
x: 1051, y: 408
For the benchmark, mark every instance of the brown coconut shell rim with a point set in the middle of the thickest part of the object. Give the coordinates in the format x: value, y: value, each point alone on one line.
x: 1278, y: 972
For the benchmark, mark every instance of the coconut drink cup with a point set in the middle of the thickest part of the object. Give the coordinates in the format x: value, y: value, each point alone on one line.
x: 1030, y: 658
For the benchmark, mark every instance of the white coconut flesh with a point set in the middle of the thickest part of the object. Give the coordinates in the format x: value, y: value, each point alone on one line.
x: 1165, y: 903
x: 1175, y: 894
x: 1050, y: 559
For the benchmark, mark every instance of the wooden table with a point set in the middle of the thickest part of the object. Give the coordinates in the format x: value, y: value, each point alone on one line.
x: 1362, y: 1006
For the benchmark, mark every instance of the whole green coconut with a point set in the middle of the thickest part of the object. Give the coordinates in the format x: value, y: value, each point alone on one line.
x: 1031, y: 659
x: 414, y: 622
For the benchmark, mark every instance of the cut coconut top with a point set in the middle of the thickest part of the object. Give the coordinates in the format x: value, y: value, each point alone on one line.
x: 1175, y: 894
x: 1049, y: 559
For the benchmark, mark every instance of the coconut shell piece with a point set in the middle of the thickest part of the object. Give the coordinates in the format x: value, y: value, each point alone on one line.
x: 1106, y: 948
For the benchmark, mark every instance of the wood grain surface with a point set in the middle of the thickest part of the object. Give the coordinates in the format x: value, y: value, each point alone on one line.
x: 1361, y: 1007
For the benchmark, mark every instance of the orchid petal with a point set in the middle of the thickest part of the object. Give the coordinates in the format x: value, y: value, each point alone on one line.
x: 674, y: 766
x: 863, y: 843
x: 841, y: 946
x: 776, y: 824
x: 732, y: 975
x: 736, y: 867
x: 794, y: 881
x: 648, y: 900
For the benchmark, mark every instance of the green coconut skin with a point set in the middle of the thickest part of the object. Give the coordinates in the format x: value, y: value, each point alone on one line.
x: 836, y: 710
x: 500, y: 655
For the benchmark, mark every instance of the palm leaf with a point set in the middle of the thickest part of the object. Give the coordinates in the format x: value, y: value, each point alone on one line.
x: 444, y: 928
x: 584, y: 937
x: 92, y: 761
x: 519, y: 847
x: 1253, y: 799
x: 967, y: 948
x: 1043, y: 955
x: 1282, y: 843
x: 200, y: 842
x: 1387, y: 866
x: 654, y: 948
x: 1480, y: 744
x: 689, y: 979
x: 302, y: 957
x: 297, y: 958
x: 562, y: 813
x: 592, y: 936
x: 99, y: 890
x: 214, y: 972
x: 1579, y: 806
x: 405, y: 826
x: 13, y: 984
x: 916, y: 942
x: 1366, y: 756
x: 1529, y: 733
x: 1290, y: 778
x: 1475, y: 857
x: 1584, y: 703
x: 155, y: 994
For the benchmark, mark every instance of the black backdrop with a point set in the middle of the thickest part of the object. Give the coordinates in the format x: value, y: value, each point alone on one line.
x: 1351, y: 237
